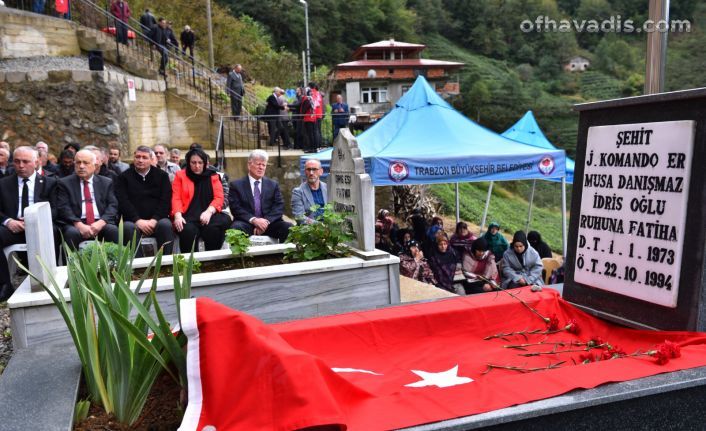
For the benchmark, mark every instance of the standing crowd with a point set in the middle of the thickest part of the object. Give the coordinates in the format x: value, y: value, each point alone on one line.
x: 305, y: 113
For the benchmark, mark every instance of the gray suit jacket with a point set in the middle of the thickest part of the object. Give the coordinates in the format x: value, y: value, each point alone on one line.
x: 234, y: 83
x: 302, y: 200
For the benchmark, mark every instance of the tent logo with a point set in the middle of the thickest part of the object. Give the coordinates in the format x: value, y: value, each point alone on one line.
x: 398, y: 171
x: 546, y: 165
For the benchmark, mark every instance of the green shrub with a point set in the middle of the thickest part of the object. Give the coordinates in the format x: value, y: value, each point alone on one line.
x: 239, y: 243
x: 324, y: 240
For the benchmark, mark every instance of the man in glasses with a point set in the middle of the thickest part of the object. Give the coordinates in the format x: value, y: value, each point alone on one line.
x: 309, y: 193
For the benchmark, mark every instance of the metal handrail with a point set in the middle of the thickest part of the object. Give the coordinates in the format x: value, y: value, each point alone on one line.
x: 183, y: 72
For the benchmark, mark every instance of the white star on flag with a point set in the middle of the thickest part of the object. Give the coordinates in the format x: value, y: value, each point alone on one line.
x: 443, y: 379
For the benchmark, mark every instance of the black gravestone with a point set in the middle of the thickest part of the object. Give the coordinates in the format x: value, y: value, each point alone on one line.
x: 638, y: 215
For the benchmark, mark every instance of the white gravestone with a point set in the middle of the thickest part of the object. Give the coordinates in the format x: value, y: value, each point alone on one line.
x: 39, y: 234
x: 633, y: 210
x: 351, y: 190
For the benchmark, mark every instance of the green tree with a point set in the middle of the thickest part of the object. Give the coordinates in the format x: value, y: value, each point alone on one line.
x: 616, y: 57
x: 478, y: 96
x: 588, y: 11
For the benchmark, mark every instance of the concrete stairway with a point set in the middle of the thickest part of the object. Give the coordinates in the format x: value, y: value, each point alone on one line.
x: 181, y: 81
x: 131, y: 60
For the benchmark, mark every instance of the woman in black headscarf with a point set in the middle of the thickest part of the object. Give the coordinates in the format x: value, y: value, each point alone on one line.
x: 535, y: 240
x: 197, y: 200
x: 522, y: 265
x: 443, y: 262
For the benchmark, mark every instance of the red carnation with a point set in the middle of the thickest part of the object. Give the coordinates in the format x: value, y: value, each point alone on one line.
x: 553, y: 323
x: 585, y: 359
x: 606, y: 355
x: 572, y: 327
x: 661, y: 354
x: 672, y: 348
x: 595, y: 342
x: 617, y: 351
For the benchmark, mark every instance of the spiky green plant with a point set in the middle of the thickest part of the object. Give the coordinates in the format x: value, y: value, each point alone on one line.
x: 121, y: 346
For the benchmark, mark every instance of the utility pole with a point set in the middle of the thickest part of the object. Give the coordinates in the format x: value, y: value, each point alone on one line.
x: 656, y: 56
x: 210, y: 33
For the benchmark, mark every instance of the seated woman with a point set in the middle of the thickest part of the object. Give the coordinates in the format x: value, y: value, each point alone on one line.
x: 413, y: 264
x: 443, y: 262
x: 197, y: 201
x: 522, y: 265
x: 462, y: 239
x: 386, y: 224
x: 479, y: 268
x: 381, y: 242
x: 404, y: 236
x: 496, y: 241
x: 535, y: 240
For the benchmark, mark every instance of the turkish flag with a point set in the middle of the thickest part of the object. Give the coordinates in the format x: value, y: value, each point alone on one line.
x: 401, y: 366
x: 62, y: 6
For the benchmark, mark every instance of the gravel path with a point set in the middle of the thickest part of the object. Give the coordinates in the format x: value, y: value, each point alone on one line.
x: 5, y: 336
x: 28, y: 64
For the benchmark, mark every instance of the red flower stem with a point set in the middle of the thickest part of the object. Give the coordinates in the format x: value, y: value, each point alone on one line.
x: 532, y: 332
x: 529, y: 307
x: 545, y: 343
x: 522, y: 369
x: 555, y: 352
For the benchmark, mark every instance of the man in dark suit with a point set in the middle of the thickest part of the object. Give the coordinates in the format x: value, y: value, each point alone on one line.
x: 256, y: 201
x: 144, y: 198
x: 5, y: 166
x: 18, y: 191
x: 236, y: 90
x: 160, y: 38
x: 86, y: 204
x: 273, y: 115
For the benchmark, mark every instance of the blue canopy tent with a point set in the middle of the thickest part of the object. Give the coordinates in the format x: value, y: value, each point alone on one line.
x: 423, y: 140
x: 527, y: 131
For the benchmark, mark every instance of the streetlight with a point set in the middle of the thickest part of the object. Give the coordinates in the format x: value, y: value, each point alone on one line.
x: 308, y: 50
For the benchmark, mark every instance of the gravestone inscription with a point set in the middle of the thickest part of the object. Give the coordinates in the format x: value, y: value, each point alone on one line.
x: 633, y: 210
x: 637, y: 252
x: 351, y: 190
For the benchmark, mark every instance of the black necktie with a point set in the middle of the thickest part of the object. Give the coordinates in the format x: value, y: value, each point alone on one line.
x: 25, y: 196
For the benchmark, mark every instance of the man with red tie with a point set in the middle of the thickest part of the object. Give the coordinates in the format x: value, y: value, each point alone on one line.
x: 86, y: 204
x: 18, y: 191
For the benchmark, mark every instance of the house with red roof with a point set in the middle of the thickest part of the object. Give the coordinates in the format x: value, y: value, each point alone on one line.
x: 381, y: 72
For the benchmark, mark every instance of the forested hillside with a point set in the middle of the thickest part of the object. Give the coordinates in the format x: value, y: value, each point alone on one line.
x: 507, y: 71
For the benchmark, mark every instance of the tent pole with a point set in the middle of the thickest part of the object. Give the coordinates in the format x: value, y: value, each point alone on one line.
x: 485, y: 211
x: 563, y: 216
x: 458, y: 214
x: 531, y: 201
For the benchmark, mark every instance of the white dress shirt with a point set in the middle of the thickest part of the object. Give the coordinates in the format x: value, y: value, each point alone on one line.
x: 93, y: 198
x: 30, y: 187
